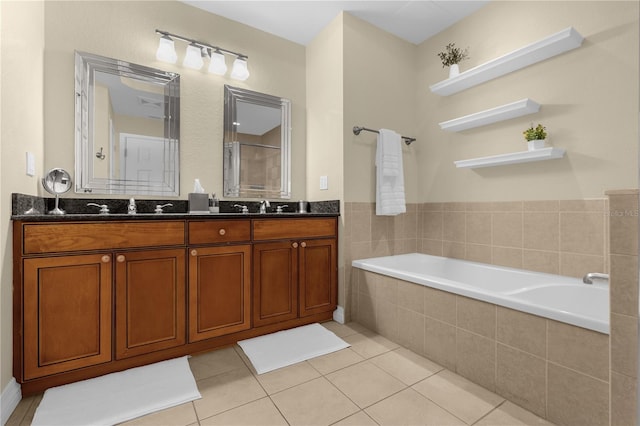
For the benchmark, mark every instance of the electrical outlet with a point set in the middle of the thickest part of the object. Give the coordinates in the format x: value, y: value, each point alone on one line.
x: 31, y: 164
x: 324, y: 183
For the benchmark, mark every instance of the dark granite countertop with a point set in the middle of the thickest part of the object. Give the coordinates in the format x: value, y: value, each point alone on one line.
x: 162, y: 216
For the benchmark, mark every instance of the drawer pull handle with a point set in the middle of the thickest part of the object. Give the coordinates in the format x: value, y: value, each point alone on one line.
x: 303, y: 244
x: 106, y: 259
x: 194, y: 252
x: 294, y: 245
x: 120, y: 258
x: 222, y: 231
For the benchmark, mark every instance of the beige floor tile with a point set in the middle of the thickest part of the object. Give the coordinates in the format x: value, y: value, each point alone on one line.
x: 358, y: 419
x: 317, y: 402
x: 509, y: 414
x: 180, y: 415
x: 284, y: 378
x: 343, y: 330
x: 459, y: 396
x: 410, y: 408
x: 365, y: 384
x: 406, y: 366
x: 212, y: 363
x: 368, y: 344
x: 226, y: 391
x: 259, y: 413
x: 326, y: 364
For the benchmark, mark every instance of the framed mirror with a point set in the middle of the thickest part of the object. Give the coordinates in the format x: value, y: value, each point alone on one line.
x: 127, y: 128
x: 257, y: 144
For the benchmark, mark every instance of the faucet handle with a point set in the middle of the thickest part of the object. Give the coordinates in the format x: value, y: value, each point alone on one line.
x: 159, y: 207
x: 103, y: 207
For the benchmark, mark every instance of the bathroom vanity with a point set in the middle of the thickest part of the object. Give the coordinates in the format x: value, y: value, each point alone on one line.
x: 94, y: 294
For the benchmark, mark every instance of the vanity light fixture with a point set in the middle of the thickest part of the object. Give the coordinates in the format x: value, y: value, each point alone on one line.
x: 196, y: 54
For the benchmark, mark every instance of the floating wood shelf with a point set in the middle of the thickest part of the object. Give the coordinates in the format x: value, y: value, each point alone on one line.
x: 512, y: 158
x: 493, y: 115
x: 540, y: 50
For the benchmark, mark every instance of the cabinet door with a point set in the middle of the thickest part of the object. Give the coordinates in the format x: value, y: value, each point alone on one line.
x: 275, y: 282
x: 318, y: 276
x: 219, y: 291
x: 67, y: 313
x: 150, y: 301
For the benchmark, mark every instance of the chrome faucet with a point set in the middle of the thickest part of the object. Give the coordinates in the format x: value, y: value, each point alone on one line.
x: 264, y: 204
x: 588, y: 278
x: 244, y: 209
x: 104, y: 209
x: 132, y: 209
x: 159, y: 207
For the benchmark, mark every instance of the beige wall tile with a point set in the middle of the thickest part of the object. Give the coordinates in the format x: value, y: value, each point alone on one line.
x: 387, y: 319
x: 411, y: 296
x: 478, y: 253
x: 476, y: 358
x: 361, y: 226
x: 409, y: 223
x: 453, y: 250
x: 369, y: 283
x: 440, y: 305
x: 521, y: 378
x: 476, y: 316
x: 478, y: 227
x: 541, y: 231
x: 624, y: 397
x: 431, y: 207
x: 480, y: 206
x: 453, y: 229
x: 541, y: 261
x: 506, y: 256
x: 411, y: 330
x: 522, y: 331
x: 381, y: 228
x: 432, y: 247
x: 582, y: 232
x: 388, y: 289
x: 360, y: 250
x: 440, y: 343
x: 381, y: 248
x: 623, y: 284
x: 576, y: 399
x: 507, y: 229
x: 577, y: 265
x: 432, y: 223
x: 567, y: 346
x: 591, y: 205
x: 623, y: 218
x: 624, y: 344
x: 454, y: 206
x: 507, y: 206
x: 541, y: 206
x: 366, y: 311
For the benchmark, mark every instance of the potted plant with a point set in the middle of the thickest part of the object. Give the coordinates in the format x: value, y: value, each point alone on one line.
x: 451, y: 57
x: 535, y: 136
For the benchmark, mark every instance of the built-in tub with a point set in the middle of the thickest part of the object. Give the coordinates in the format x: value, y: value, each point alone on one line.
x: 556, y: 297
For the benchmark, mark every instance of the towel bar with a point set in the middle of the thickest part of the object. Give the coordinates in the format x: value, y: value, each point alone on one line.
x: 358, y: 129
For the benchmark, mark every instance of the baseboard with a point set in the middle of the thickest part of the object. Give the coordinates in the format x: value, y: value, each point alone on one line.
x: 338, y: 314
x: 9, y: 399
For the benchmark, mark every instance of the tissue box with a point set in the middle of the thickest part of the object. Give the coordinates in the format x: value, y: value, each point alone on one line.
x: 198, y: 203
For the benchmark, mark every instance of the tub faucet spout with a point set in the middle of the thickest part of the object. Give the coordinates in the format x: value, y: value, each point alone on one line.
x: 588, y: 278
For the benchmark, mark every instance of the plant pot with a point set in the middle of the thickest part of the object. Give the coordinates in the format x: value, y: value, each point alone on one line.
x: 454, y: 70
x: 535, y: 144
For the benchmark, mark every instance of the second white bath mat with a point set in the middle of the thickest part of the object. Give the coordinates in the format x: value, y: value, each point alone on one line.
x: 287, y: 347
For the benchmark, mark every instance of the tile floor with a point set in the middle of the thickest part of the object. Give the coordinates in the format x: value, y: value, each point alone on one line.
x: 374, y: 382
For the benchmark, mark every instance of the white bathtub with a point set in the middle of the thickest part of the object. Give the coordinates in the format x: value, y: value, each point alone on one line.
x: 556, y: 297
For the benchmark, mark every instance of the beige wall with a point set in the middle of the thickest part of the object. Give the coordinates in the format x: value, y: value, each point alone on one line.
x: 22, y: 45
x: 126, y: 30
x: 589, y: 99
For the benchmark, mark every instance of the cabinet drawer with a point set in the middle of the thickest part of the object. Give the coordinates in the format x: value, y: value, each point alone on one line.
x: 219, y: 231
x: 275, y: 229
x: 74, y: 236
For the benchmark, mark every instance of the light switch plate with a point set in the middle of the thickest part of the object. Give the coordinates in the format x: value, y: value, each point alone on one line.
x: 31, y: 164
x: 324, y: 182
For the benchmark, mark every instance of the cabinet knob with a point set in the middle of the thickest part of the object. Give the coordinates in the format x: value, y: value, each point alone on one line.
x: 194, y: 252
x: 106, y: 258
x: 222, y: 231
x: 120, y: 258
x: 303, y: 244
x: 294, y: 245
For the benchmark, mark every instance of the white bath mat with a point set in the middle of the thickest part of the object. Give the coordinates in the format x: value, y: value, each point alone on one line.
x: 283, y: 348
x: 118, y: 397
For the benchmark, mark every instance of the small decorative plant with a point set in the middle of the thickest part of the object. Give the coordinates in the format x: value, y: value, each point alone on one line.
x: 535, y: 134
x: 453, y: 55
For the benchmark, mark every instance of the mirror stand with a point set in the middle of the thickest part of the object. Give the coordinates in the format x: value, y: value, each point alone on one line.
x: 56, y: 182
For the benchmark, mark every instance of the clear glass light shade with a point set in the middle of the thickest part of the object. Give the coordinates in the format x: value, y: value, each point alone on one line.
x: 166, y: 50
x: 217, y: 64
x: 240, y: 70
x: 193, y: 57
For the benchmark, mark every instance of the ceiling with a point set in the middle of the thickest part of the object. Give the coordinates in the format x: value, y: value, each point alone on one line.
x: 300, y: 21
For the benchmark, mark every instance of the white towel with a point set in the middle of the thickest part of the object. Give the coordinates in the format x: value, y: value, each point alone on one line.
x: 390, y: 199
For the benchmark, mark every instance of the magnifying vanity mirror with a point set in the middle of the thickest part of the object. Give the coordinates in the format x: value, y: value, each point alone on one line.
x: 257, y: 144
x: 56, y: 182
x: 127, y: 127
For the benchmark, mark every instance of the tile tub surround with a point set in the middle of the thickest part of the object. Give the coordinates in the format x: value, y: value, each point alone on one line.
x: 507, y: 352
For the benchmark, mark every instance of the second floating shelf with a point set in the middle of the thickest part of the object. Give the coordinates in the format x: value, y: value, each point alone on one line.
x: 512, y: 158
x: 493, y: 115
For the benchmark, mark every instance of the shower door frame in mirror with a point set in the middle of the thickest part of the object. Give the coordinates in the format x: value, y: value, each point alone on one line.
x: 143, y: 109
x: 233, y: 120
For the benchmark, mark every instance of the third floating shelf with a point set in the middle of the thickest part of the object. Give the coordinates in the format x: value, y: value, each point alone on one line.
x: 493, y: 115
x: 541, y: 154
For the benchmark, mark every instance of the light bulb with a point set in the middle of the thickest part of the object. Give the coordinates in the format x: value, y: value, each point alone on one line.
x: 193, y: 57
x: 240, y: 70
x: 166, y: 50
x: 217, y: 64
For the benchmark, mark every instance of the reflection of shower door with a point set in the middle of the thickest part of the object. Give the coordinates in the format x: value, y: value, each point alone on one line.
x: 141, y: 158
